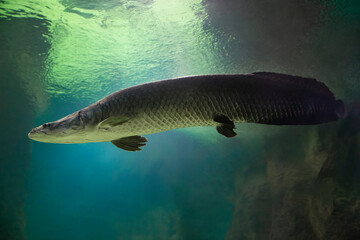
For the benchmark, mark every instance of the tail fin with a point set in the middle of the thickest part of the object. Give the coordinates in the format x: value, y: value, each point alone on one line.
x: 340, y: 108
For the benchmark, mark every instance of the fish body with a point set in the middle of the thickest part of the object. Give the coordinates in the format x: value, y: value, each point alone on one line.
x: 205, y: 100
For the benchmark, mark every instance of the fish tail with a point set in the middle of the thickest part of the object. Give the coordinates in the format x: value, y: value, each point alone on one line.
x: 340, y: 108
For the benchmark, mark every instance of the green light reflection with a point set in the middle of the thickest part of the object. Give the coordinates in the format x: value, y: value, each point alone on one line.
x: 96, y: 52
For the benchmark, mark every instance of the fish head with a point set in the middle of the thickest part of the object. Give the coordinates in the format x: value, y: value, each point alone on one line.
x: 69, y: 129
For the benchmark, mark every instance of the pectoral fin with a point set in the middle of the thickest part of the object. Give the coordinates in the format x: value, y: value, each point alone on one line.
x: 132, y: 143
x: 113, y: 121
x: 226, y: 126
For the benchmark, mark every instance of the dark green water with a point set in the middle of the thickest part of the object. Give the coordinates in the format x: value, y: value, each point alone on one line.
x: 270, y: 182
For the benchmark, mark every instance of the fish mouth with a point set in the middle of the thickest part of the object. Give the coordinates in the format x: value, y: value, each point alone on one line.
x: 35, y: 133
x: 55, y: 135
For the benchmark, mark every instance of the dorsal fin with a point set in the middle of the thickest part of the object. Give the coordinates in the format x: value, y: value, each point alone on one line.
x: 308, y: 83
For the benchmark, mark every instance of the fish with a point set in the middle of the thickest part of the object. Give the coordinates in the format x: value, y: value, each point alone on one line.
x: 221, y: 100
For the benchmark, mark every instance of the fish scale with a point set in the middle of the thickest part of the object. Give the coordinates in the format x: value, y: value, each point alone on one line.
x: 205, y: 100
x: 177, y: 103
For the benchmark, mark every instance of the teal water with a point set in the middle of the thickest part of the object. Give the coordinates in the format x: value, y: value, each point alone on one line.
x: 270, y: 182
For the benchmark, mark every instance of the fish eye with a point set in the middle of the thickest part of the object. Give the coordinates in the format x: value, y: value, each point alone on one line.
x: 46, y: 125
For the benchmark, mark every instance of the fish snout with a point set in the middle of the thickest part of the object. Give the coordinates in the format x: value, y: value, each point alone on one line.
x: 31, y: 133
x: 36, y: 132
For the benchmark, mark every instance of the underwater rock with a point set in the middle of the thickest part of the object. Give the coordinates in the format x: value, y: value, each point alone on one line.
x: 307, y: 189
